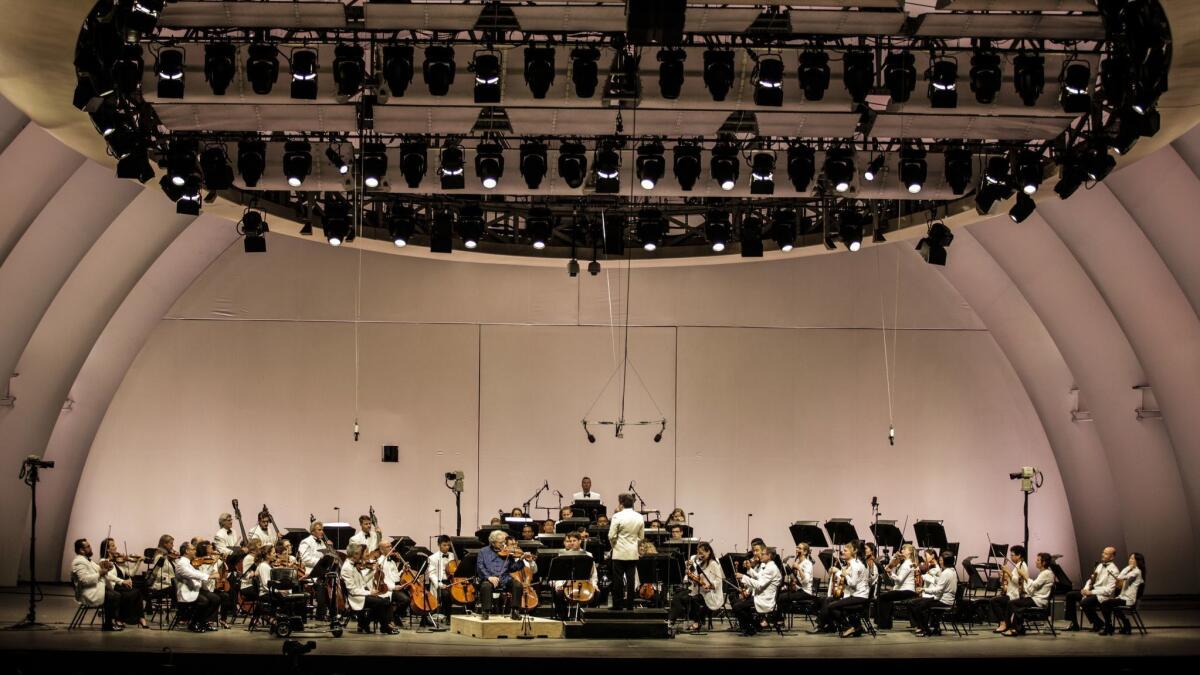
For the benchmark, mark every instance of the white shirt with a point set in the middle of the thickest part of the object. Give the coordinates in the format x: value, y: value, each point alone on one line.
x: 359, y: 584
x: 391, y: 573
x: 714, y: 596
x: 1106, y: 581
x: 249, y: 571
x: 263, y: 573
x: 763, y: 582
x: 436, y: 568
x: 941, y: 585
x: 593, y: 579
x: 226, y: 541
x: 188, y: 580
x: 311, y: 553
x: 1039, y: 588
x: 210, y: 584
x: 1014, y: 587
x: 265, y: 537
x: 804, y: 573
x: 1131, y: 578
x: 161, y: 572
x: 369, y: 542
x: 586, y: 495
x: 858, y: 579
x: 903, y: 577
x: 89, y: 583
x: 626, y: 529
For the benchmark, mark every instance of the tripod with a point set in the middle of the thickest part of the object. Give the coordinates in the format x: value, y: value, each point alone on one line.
x: 29, y: 474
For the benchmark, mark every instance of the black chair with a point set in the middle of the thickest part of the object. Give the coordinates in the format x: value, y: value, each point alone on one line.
x: 1036, y: 617
x: 81, y: 612
x: 941, y: 615
x: 1130, y: 613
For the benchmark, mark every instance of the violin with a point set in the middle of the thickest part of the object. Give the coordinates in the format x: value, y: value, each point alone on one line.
x: 205, y: 560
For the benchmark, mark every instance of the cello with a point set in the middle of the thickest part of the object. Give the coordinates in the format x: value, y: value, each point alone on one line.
x: 529, y: 596
x: 462, y: 589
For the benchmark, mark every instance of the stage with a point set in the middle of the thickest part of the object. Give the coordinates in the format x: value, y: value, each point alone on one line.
x: 1174, y: 633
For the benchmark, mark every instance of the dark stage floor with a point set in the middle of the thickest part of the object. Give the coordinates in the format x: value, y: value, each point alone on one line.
x: 1174, y: 633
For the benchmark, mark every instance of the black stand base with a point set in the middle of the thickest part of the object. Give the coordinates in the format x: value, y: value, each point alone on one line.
x: 30, y: 622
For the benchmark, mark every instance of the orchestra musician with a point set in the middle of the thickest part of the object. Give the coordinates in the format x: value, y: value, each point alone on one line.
x: 313, y: 549
x: 393, y: 566
x: 494, y: 568
x: 547, y: 526
x: 1101, y: 586
x: 572, y: 544
x: 856, y: 577
x: 626, y: 532
x: 1128, y: 580
x: 939, y: 587
x: 1037, y: 594
x: 902, y: 570
x: 365, y: 537
x: 216, y: 569
x: 162, y: 569
x: 517, y: 512
x: 120, y: 583
x: 225, y: 540
x: 761, y: 584
x: 705, y: 594
x: 677, y: 516
x: 263, y: 531
x: 363, y: 595
x: 585, y: 490
x: 527, y: 533
x: 439, y: 575
x: 602, y: 520
x: 90, y: 580
x: 676, y: 531
x: 189, y: 588
x: 1014, y: 586
x: 566, y: 512
x: 798, y: 572
x: 248, y: 582
x: 495, y: 521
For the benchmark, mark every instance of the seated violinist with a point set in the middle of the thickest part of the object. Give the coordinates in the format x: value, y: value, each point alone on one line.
x: 363, y: 594
x: 393, y: 567
x: 218, y: 582
x: 119, y: 582
x: 572, y: 546
x: 494, y: 570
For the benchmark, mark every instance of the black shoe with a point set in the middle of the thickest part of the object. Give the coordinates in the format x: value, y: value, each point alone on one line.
x: 1073, y: 628
x: 484, y: 616
x: 1106, y: 631
x: 196, y: 629
x: 111, y: 628
x: 389, y: 630
x: 1096, y: 628
x: 425, y: 622
x: 516, y: 616
x: 1126, y: 630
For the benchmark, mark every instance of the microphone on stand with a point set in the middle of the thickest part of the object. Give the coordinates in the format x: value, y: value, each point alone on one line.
x: 874, y: 502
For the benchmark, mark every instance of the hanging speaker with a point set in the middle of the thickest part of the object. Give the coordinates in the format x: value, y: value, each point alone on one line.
x: 391, y: 453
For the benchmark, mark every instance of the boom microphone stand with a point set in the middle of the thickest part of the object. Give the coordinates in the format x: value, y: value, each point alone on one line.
x: 29, y: 474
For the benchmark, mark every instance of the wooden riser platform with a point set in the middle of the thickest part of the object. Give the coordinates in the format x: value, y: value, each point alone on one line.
x: 496, y: 627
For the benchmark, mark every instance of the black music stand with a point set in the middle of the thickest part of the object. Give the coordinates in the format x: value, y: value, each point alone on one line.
x: 656, y: 535
x: 841, y: 531
x: 339, y: 534
x: 589, y: 508
x: 655, y: 569
x: 467, y: 566
x: 682, y: 547
x: 295, y: 536
x: 930, y: 534
x: 514, y: 524
x: 571, y: 567
x: 484, y: 532
x: 731, y: 563
x: 464, y: 545
x: 552, y: 540
x: 571, y: 525
x: 402, y: 543
x: 596, y: 547
x: 887, y: 535
x: 808, y: 532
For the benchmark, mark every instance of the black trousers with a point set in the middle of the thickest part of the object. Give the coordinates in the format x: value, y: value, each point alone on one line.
x: 1014, y: 617
x: 920, y: 612
x: 375, y: 608
x: 249, y: 593
x: 885, y: 604
x: 690, y: 607
x: 1001, y: 607
x: 206, y: 607
x: 112, y: 607
x: 486, y: 589
x: 1089, y: 604
x: 1106, y: 608
x: 401, y: 603
x: 623, y: 588
x: 228, y: 603
x: 846, y: 611
x: 743, y: 609
x: 130, y: 606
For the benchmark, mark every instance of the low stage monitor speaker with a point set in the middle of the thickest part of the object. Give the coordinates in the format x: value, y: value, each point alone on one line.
x: 391, y: 453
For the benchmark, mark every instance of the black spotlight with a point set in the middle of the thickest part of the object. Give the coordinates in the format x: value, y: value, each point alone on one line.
x: 169, y: 68
x: 539, y: 70
x: 262, y: 68
x: 188, y: 203
x: 348, y: 68
x: 718, y: 72
x: 1072, y: 177
x: 802, y: 166
x: 768, y: 81
x: 650, y: 164
x: 1029, y: 171
x: 470, y: 225
x: 814, y: 74
x: 452, y: 168
x: 959, y: 168
x: 135, y: 165
x: 304, y: 74
x: 438, y: 69
x: 297, y: 162
x: 252, y: 161
x: 1115, y: 84
x: 397, y: 68
x: 997, y: 171
x: 608, y: 169
x: 584, y: 72
x: 650, y: 228
x: 783, y: 229
x: 932, y: 246
x: 751, y: 236
x: 1022, y: 209
x: 181, y: 162
x: 486, y: 67
x: 943, y: 83
x: 214, y: 165
x: 537, y: 227
x: 859, y: 73
x: 220, y: 66
x: 374, y: 164
x: 400, y: 225
x: 686, y: 165
x: 572, y: 163
x: 252, y: 228
x: 913, y: 169
x: 1098, y: 163
x: 762, y: 173
x: 489, y: 164
x: 338, y: 162
x: 850, y: 228
x: 900, y: 75
x: 1075, y: 82
x: 335, y: 222
x: 874, y: 168
x: 533, y: 163
x: 127, y: 70
x: 441, y: 232
x: 414, y: 160
x: 839, y: 168
x: 1029, y: 76
x: 143, y: 15
x: 716, y: 229
x: 725, y: 165
x: 612, y: 229
x: 670, y: 72
x: 986, y: 197
x: 986, y: 76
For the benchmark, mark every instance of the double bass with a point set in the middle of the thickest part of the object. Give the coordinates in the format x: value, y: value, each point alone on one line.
x: 237, y: 512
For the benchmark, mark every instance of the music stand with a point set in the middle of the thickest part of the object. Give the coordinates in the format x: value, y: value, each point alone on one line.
x: 464, y: 545
x: 485, y: 531
x: 596, y: 547
x: 685, y: 547
x: 571, y: 525
x: 295, y: 536
x: 841, y: 531
x: 339, y: 534
x: 656, y: 535
x: 975, y: 577
x: 731, y: 564
x: 591, y: 508
x: 467, y: 566
x: 514, y: 524
x: 552, y: 540
x: 887, y: 535
x: 998, y: 551
x: 654, y: 569
x: 808, y: 532
x: 402, y: 543
x: 930, y: 534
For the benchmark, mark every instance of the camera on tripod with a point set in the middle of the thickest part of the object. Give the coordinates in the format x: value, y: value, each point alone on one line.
x: 38, y: 462
x: 1030, y: 478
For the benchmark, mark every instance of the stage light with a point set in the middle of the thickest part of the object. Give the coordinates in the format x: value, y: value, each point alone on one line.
x: 127, y: 70
x: 873, y: 169
x: 612, y: 231
x: 686, y: 165
x: 768, y: 81
x: 572, y: 163
x: 1029, y: 76
x: 718, y: 72
x: 986, y: 76
x: 252, y: 227
x: 169, y: 69
x: 572, y: 268
x: 181, y: 162
x: 335, y: 222
x: 943, y: 83
x: 438, y: 69
x: 1115, y: 84
x: 107, y: 118
x: 188, y: 203
x: 716, y: 229
x: 932, y: 246
x: 451, y: 169
x: 839, y: 168
x: 414, y: 159
x: 986, y: 197
x: 1022, y: 209
x: 220, y: 66
x: 850, y: 229
x: 143, y: 15
x: 335, y: 158
x: 783, y: 229
x: 900, y: 75
x: 489, y: 164
x: 304, y: 74
x: 135, y: 165
x: 584, y: 72
x: 441, y: 232
x: 1029, y: 171
x: 762, y: 173
x: 486, y: 67
x: 1072, y: 176
x: 650, y: 228
x: 814, y: 74
x: 608, y: 168
x: 262, y: 68
x: 214, y: 165
x: 1099, y: 163
x: 751, y: 236
x: 348, y: 67
x: 1075, y: 96
x: 397, y: 68
x: 913, y: 169
x: 997, y: 171
x: 802, y: 166
x: 725, y: 165
x: 651, y: 165
x: 858, y: 73
x: 593, y: 269
x: 539, y: 70
x: 537, y: 226
x: 252, y: 161
x: 959, y: 169
x: 400, y: 225
x: 374, y: 164
x: 533, y: 163
x: 670, y: 72
x: 297, y: 162
x: 470, y: 225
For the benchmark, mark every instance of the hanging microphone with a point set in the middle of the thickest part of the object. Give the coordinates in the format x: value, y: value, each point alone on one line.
x: 874, y: 502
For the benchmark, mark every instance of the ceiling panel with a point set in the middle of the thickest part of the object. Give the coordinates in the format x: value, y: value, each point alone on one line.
x: 846, y: 22
x: 1020, y: 5
x: 1044, y: 26
x: 606, y: 18
x: 719, y: 20
x: 256, y: 117
x: 809, y: 125
x: 976, y: 127
x: 421, y: 16
x: 314, y: 14
x: 425, y: 120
